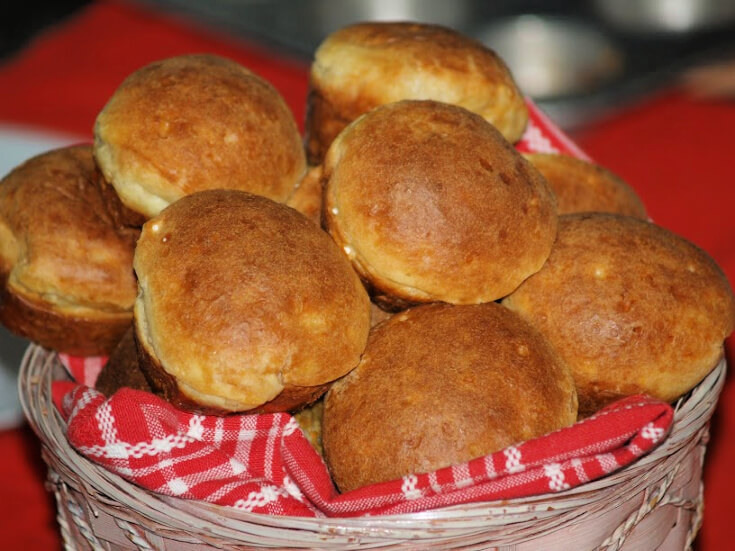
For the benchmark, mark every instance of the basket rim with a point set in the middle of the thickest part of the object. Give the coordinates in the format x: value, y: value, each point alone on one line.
x: 37, y: 368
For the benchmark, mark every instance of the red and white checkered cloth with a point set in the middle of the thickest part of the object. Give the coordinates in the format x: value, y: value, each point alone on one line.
x: 265, y: 464
x: 543, y: 136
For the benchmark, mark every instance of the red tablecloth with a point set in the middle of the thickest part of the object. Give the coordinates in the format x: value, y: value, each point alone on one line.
x: 676, y: 151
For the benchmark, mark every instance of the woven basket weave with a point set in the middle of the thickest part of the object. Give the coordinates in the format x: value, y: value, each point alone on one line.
x: 653, y: 504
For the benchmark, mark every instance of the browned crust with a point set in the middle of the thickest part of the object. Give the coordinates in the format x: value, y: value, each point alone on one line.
x: 242, y: 297
x: 194, y: 122
x: 442, y: 384
x: 631, y: 307
x: 584, y: 186
x: 385, y: 297
x: 294, y: 398
x: 385, y: 60
x: 290, y: 399
x: 120, y: 214
x: 431, y: 203
x: 122, y: 369
x: 324, y: 120
x: 67, y: 272
x: 80, y: 335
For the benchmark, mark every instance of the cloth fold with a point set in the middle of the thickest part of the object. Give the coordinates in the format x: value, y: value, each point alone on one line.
x: 265, y: 464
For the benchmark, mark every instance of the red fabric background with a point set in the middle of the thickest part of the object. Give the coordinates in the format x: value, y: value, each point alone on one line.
x: 676, y: 151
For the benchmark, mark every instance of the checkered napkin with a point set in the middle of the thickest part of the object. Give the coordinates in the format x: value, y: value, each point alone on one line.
x: 265, y: 464
x: 543, y: 136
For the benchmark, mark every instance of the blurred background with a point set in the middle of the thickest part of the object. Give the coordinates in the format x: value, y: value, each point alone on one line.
x: 578, y: 59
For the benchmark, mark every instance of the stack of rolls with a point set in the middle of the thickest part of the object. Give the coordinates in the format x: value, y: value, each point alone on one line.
x: 374, y: 277
x: 362, y: 66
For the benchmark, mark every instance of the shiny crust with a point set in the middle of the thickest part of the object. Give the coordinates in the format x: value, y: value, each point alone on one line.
x: 584, y: 186
x: 441, y: 384
x: 631, y: 307
x: 365, y: 65
x: 65, y: 267
x: 196, y: 122
x: 241, y: 302
x: 431, y: 203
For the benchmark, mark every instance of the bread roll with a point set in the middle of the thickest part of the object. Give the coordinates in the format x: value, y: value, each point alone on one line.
x: 244, y: 305
x: 583, y: 186
x: 630, y: 306
x: 431, y: 203
x: 66, y: 270
x: 441, y: 384
x: 368, y: 64
x: 196, y: 122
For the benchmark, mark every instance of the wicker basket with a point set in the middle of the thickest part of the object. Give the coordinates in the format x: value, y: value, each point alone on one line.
x: 653, y: 504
